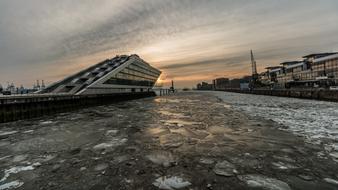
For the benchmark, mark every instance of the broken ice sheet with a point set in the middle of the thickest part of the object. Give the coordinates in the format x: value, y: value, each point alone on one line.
x: 11, y: 185
x: 15, y: 170
x: 225, y: 168
x: 171, y: 183
x: 6, y: 133
x: 161, y: 158
x: 260, y: 181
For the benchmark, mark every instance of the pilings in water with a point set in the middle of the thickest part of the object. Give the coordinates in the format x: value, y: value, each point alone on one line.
x: 14, y: 108
x: 163, y: 92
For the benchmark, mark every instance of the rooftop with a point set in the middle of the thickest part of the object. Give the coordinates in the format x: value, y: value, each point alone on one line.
x: 290, y: 62
x: 273, y: 67
x: 317, y: 55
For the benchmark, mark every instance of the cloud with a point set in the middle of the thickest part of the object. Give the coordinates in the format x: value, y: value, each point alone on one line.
x: 52, y: 39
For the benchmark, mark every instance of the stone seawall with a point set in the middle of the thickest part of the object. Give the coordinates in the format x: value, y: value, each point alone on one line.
x: 327, y: 95
x: 14, y: 108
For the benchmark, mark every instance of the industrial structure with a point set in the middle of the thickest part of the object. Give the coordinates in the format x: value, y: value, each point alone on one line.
x: 121, y: 74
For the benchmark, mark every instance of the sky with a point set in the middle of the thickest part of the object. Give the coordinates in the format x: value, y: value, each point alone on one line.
x: 188, y: 40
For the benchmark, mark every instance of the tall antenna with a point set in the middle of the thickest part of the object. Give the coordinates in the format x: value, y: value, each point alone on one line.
x: 254, y: 67
x: 253, y: 64
x: 43, y: 85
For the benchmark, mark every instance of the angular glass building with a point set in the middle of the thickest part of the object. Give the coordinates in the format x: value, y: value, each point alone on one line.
x: 122, y: 74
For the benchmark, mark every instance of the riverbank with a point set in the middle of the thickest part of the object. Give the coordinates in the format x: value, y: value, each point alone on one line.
x: 187, y: 140
x: 315, y: 94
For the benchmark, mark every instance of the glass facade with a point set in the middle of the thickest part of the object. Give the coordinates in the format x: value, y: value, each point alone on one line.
x: 136, y: 74
x: 327, y: 68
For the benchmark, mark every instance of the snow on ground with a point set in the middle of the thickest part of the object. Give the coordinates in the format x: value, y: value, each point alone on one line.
x: 315, y: 120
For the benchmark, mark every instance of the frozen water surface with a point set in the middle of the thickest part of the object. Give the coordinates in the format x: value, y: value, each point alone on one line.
x: 315, y: 120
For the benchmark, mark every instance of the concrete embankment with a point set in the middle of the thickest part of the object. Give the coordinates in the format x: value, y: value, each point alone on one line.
x: 14, y: 108
x: 326, y: 95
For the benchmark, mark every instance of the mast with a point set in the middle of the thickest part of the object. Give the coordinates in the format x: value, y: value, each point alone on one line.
x: 254, y: 67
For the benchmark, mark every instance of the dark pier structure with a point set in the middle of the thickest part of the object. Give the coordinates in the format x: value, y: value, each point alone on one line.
x: 25, y: 107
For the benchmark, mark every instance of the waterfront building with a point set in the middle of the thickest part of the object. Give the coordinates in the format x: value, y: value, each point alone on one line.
x: 121, y: 74
x: 220, y: 83
x: 204, y: 86
x: 315, y: 70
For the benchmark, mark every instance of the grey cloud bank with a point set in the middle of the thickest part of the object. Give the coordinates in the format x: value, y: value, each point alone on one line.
x: 51, y: 39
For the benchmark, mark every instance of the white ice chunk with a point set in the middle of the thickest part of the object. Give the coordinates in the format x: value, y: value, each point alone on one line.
x: 225, y: 168
x: 171, y: 183
x: 332, y: 181
x: 15, y: 170
x: 260, y: 181
x: 5, y: 133
x: 11, y: 185
x: 46, y: 122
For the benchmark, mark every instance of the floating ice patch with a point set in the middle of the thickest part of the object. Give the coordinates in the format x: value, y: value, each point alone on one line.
x: 283, y: 166
x: 171, y: 183
x: 17, y: 169
x: 112, y: 132
x: 180, y: 122
x: 5, y: 157
x: 177, y: 115
x: 19, y: 158
x: 101, y: 167
x: 46, y: 122
x: 225, y: 168
x: 29, y: 131
x: 6, y: 133
x: 161, y: 158
x: 111, y: 144
x: 206, y: 161
x: 260, y: 181
x: 172, y: 140
x: 11, y: 185
x: 332, y: 181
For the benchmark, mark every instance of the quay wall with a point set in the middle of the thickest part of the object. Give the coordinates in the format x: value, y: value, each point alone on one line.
x: 325, y: 95
x: 14, y: 108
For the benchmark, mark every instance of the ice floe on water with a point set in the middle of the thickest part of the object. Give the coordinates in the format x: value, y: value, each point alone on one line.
x: 263, y: 182
x: 171, y: 183
x: 15, y: 170
x: 225, y: 168
x: 161, y: 158
x: 206, y: 161
x: 11, y: 185
x: 179, y: 122
x: 315, y: 120
x: 28, y: 131
x: 176, y: 115
x: 46, y: 122
x: 6, y: 133
x: 109, y: 146
x: 172, y: 140
x: 19, y: 158
x: 332, y: 181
